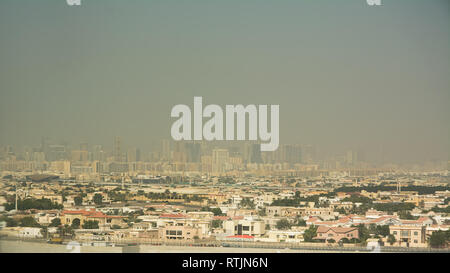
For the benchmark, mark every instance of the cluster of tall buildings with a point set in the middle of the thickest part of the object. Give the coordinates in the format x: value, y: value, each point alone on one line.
x: 184, y: 155
x: 174, y: 156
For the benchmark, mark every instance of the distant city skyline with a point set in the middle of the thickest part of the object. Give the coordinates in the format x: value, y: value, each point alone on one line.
x: 118, y: 150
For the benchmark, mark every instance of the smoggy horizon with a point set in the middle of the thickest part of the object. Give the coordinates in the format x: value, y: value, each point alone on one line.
x: 346, y: 76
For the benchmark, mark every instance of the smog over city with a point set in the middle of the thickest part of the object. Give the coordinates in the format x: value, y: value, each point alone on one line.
x: 228, y: 126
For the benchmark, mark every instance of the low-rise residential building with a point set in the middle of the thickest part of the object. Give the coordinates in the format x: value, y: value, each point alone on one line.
x: 30, y: 232
x: 180, y: 233
x: 68, y: 216
x: 336, y: 233
x: 409, y: 235
x: 248, y: 226
x: 283, y: 236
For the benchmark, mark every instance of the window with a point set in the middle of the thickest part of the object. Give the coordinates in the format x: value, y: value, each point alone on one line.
x: 246, y: 228
x: 172, y: 232
x: 416, y: 233
x: 395, y: 232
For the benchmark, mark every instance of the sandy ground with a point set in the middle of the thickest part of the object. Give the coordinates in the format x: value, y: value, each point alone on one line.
x: 184, y: 249
x: 12, y: 246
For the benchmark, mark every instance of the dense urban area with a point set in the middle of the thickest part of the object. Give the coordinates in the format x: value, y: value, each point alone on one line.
x: 194, y: 195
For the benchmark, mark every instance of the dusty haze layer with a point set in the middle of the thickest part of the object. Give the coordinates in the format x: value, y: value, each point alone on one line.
x: 345, y: 75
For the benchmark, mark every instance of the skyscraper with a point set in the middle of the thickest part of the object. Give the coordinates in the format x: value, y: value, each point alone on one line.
x: 308, y: 153
x: 165, y: 149
x: 219, y: 160
x: 133, y: 155
x: 293, y: 154
x: 255, y: 153
x: 193, y: 151
x: 98, y: 154
x: 117, y: 151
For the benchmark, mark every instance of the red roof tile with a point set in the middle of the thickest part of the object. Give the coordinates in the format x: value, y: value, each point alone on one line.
x: 172, y: 215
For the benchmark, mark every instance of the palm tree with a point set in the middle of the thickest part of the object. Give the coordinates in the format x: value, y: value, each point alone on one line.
x: 44, y: 232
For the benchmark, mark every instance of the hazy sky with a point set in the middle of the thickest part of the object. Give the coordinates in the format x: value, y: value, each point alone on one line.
x: 345, y: 75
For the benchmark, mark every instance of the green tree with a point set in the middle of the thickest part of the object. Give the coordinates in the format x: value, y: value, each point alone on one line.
x: 283, y: 224
x: 216, y: 223
x: 98, y: 199
x: 64, y: 194
x: 90, y: 224
x: 391, y: 239
x: 217, y: 211
x: 363, y: 232
x: 10, y: 222
x: 262, y: 212
x: 32, y: 203
x: 247, y: 203
x: 394, y: 207
x: 422, y: 204
x: 66, y: 231
x: 439, y: 239
x: 78, y: 200
x: 75, y: 223
x: 406, y: 215
x: 55, y: 222
x: 341, y: 211
x: 441, y: 210
x: 44, y: 232
x: 300, y: 222
x: 310, y: 233
x: 382, y: 230
x: 28, y: 221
